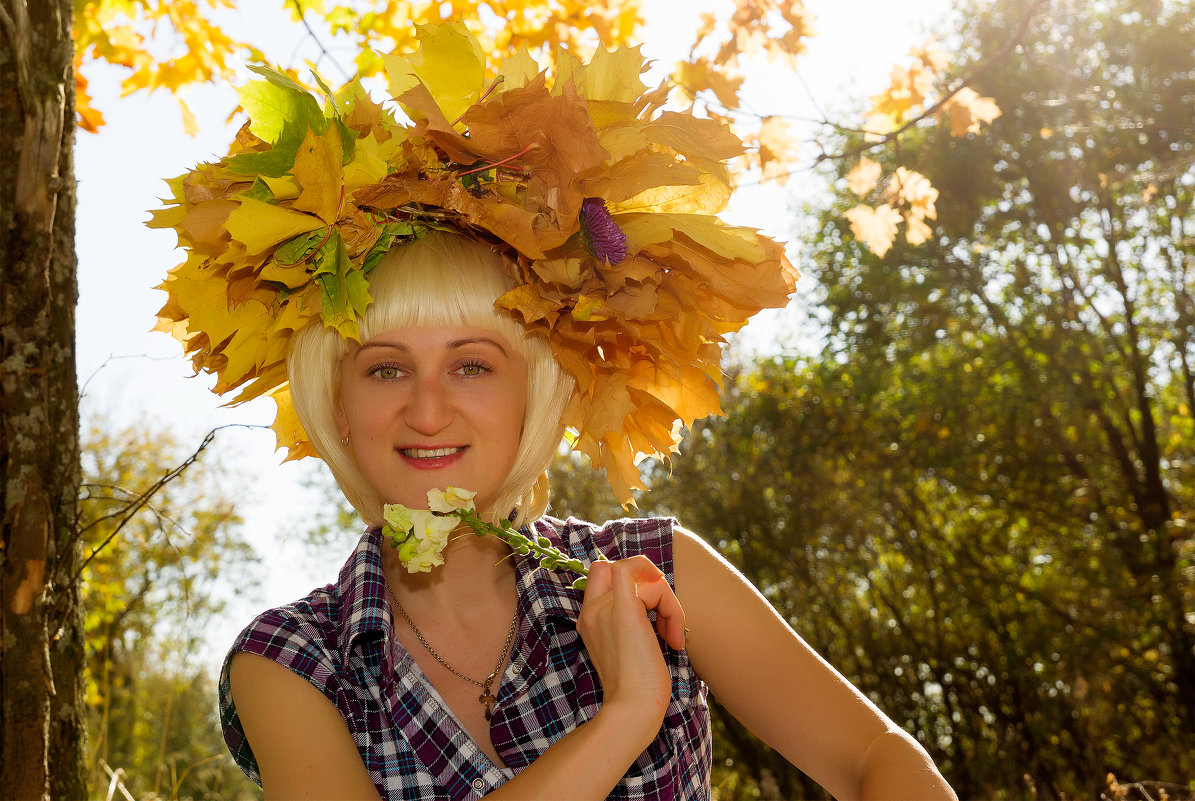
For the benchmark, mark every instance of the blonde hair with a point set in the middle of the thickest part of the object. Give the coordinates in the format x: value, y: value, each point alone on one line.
x: 439, y: 279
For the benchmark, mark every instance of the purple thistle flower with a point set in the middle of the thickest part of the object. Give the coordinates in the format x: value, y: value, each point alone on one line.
x: 602, y: 236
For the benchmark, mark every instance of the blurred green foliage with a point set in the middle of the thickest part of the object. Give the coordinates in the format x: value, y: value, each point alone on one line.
x: 149, y: 590
x: 977, y: 500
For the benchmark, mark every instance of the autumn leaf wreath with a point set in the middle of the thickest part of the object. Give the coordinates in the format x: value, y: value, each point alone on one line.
x: 603, y: 202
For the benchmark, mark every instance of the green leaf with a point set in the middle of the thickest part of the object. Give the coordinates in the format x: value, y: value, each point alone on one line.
x: 343, y: 288
x: 280, y: 113
x: 259, y: 191
x: 390, y: 232
x: 299, y: 248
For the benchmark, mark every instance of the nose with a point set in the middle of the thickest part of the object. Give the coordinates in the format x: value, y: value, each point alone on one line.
x: 429, y: 410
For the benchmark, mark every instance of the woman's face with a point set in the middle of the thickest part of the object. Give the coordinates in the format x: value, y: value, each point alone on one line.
x: 429, y: 408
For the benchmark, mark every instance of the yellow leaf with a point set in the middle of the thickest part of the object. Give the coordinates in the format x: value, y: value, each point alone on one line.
x: 517, y: 70
x: 701, y: 75
x: 931, y: 56
x: 612, y: 75
x: 190, y: 124
x: 916, y: 231
x: 863, y: 176
x: 449, y: 63
x: 90, y: 120
x: 708, y: 196
x: 875, y: 228
x: 285, y: 187
x: 369, y: 164
x: 259, y: 225
x: 688, y: 391
x: 287, y: 428
x: 318, y: 168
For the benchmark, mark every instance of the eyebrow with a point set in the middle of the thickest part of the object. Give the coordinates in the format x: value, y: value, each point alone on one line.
x: 453, y: 345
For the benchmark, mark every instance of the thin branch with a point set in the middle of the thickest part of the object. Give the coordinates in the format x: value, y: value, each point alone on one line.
x: 318, y: 43
x: 158, y: 513
x: 970, y: 79
x: 143, y: 500
x: 112, y: 358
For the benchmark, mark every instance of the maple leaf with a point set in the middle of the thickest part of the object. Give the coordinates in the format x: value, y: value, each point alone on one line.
x: 317, y: 167
x: 449, y: 64
x: 281, y: 112
x: 863, y: 177
x: 610, y: 75
x: 930, y: 55
x: 874, y: 227
x: 911, y: 188
x: 968, y: 111
x: 344, y: 290
x: 777, y: 149
x: 519, y: 69
x: 692, y: 77
x: 260, y: 226
x: 89, y: 119
x: 916, y: 230
x: 288, y: 431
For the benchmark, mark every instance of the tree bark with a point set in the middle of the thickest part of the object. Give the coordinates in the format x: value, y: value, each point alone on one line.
x: 42, y: 735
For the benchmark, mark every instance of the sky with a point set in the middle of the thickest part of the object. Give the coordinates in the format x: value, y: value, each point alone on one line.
x: 132, y: 376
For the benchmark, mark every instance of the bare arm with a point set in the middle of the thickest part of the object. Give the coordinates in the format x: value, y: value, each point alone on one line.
x: 785, y: 693
x: 304, y: 749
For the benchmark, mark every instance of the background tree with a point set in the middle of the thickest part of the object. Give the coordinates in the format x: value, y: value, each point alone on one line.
x: 976, y: 499
x: 41, y: 647
x: 1023, y: 379
x: 149, y: 587
x: 40, y: 723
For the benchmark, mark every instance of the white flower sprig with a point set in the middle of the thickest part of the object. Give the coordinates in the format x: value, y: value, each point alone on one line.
x: 421, y: 534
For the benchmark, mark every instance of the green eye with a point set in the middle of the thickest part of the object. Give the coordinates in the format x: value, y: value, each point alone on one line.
x: 386, y: 373
x: 472, y: 369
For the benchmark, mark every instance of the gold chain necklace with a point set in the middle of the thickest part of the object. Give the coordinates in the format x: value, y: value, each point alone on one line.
x: 486, y: 698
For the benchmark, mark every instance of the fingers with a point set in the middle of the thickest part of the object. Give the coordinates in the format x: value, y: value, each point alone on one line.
x: 599, y: 582
x: 670, y: 617
x: 638, y: 577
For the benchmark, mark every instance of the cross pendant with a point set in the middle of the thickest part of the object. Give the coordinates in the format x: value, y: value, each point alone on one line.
x: 488, y: 699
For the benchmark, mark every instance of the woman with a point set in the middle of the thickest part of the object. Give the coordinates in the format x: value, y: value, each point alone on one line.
x: 446, y: 299
x: 444, y: 391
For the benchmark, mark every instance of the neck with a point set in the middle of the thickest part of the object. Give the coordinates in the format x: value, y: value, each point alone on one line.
x: 477, y: 572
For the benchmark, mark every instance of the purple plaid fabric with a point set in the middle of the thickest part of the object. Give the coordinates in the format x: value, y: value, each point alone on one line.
x: 339, y: 639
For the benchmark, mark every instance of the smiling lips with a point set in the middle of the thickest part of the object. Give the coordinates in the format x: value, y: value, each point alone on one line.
x: 431, y: 458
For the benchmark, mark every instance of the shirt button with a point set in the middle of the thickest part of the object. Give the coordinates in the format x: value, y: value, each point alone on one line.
x: 478, y: 785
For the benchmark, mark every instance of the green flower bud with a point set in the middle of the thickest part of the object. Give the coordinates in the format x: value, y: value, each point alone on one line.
x: 408, y: 550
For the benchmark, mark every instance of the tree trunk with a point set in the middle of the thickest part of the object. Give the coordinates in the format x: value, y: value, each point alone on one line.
x: 41, y: 649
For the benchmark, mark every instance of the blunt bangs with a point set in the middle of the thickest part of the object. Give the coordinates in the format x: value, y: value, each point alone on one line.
x: 436, y: 281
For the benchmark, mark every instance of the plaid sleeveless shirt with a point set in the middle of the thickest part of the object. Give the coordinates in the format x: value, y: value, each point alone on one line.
x: 340, y: 639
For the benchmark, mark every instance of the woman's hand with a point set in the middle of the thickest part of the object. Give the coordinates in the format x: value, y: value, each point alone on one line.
x: 626, y: 654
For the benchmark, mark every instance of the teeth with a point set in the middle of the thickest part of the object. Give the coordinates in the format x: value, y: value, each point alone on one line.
x: 428, y: 453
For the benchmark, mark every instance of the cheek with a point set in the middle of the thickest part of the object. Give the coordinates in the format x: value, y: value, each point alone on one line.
x: 363, y: 410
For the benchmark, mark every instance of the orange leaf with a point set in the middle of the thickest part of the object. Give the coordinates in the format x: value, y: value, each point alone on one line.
x: 777, y: 149
x: 863, y: 177
x: 875, y: 228
x: 968, y: 111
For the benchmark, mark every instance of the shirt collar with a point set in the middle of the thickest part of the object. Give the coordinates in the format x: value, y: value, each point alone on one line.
x: 546, y: 593
x: 366, y: 617
x: 364, y: 601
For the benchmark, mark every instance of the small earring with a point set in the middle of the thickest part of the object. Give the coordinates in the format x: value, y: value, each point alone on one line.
x: 345, y: 440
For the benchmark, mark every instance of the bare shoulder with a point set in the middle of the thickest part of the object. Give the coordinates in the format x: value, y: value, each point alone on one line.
x: 302, y: 744
x: 765, y: 674
x: 769, y: 678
